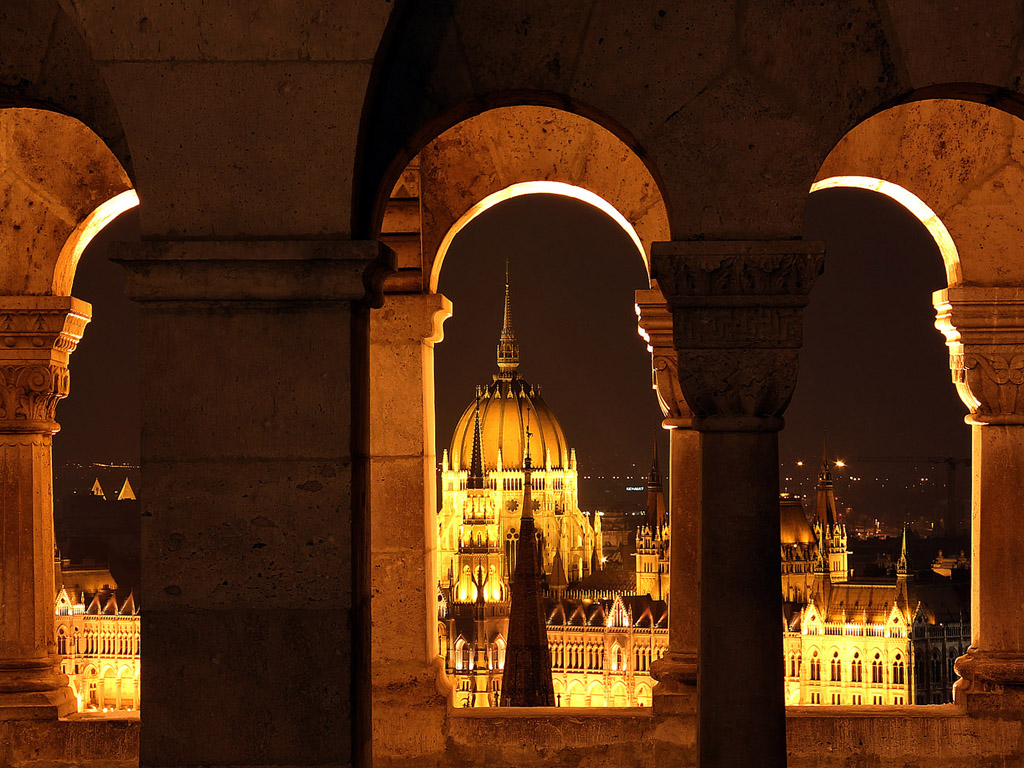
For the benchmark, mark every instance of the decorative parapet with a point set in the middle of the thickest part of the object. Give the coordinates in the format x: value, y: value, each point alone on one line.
x: 737, y: 309
x: 984, y: 330
x: 37, y: 336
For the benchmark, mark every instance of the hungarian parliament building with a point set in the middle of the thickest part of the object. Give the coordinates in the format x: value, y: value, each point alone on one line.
x: 883, y: 641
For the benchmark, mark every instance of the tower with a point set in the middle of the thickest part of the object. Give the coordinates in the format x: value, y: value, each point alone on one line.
x: 656, y: 514
x: 833, y: 531
x: 527, y: 679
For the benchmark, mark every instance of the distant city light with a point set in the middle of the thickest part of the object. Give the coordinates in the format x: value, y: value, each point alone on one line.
x: 840, y: 463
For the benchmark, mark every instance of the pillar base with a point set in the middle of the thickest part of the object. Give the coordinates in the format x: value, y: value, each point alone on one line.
x: 38, y: 705
x: 676, y: 691
x: 991, y: 682
x: 34, y: 690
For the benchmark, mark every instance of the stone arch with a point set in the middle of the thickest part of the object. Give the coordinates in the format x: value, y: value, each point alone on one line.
x: 510, y: 151
x: 47, y: 64
x: 953, y: 164
x: 57, y: 160
x: 576, y: 694
x: 596, y: 693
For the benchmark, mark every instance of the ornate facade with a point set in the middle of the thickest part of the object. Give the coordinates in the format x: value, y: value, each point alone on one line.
x: 601, y: 643
x: 478, y: 524
x: 857, y: 642
x: 98, y: 645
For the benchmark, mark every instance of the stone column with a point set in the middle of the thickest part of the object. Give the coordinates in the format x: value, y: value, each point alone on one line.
x: 984, y: 329
x: 737, y: 312
x: 403, y: 526
x: 676, y: 672
x: 37, y: 336
x: 255, y: 568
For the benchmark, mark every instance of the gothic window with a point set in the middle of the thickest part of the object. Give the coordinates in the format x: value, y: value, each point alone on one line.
x: 837, y: 668
x: 799, y: 663
x: 815, y: 666
x: 876, y: 670
x: 618, y: 663
x: 952, y: 669
x: 856, y: 669
x: 898, y: 676
x: 936, y: 666
x: 62, y: 642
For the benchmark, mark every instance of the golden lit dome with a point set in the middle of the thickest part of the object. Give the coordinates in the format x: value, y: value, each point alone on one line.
x: 508, y: 406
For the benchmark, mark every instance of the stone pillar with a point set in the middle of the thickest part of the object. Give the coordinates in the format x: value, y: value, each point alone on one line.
x: 676, y: 672
x: 255, y: 596
x: 737, y: 312
x: 403, y: 526
x: 37, y: 336
x: 984, y: 329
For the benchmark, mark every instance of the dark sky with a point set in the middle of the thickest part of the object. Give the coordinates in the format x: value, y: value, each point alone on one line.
x: 874, y: 371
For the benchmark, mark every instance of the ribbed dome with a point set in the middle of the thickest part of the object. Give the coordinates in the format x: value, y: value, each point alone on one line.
x: 507, y: 405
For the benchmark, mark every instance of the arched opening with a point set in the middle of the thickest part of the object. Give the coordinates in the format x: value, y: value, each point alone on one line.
x: 502, y: 164
x: 62, y: 187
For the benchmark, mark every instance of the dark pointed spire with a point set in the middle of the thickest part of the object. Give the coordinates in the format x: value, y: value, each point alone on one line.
x: 476, y: 464
x: 508, y: 347
x: 825, y: 506
x: 526, y: 681
x: 655, y: 516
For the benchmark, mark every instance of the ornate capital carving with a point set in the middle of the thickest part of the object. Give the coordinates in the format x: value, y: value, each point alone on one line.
x: 37, y: 336
x: 410, y: 318
x: 737, y: 309
x: 984, y: 330
x: 655, y: 327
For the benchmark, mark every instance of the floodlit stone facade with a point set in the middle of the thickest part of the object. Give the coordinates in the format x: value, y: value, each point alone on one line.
x: 98, y: 645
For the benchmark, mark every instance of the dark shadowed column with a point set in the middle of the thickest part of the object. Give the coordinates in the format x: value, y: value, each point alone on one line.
x: 737, y: 325
x: 984, y: 329
x: 255, y: 548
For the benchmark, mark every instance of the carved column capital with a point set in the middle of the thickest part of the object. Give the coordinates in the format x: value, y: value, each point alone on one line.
x: 37, y: 336
x: 984, y: 330
x: 655, y: 327
x: 737, y: 309
x: 410, y: 317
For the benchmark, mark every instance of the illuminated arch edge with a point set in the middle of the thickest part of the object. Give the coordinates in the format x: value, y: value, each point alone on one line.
x: 917, y: 208
x: 534, y: 188
x: 84, y: 233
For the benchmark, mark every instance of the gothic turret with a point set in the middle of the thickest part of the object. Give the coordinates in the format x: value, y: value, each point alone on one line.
x: 833, y: 531
x: 476, y: 464
x: 527, y: 678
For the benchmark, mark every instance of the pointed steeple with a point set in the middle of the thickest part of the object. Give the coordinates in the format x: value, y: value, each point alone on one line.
x: 508, y: 347
x: 655, y: 516
x: 527, y: 678
x: 127, y: 493
x: 825, y: 506
x: 97, y: 489
x: 901, y: 565
x: 476, y: 464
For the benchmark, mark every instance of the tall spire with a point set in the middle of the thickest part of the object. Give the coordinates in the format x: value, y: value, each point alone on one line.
x: 825, y: 507
x: 901, y: 565
x: 655, y: 517
x: 476, y: 464
x: 508, y: 348
x: 526, y: 681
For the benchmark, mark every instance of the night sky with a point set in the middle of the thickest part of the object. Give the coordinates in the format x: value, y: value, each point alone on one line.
x: 874, y: 371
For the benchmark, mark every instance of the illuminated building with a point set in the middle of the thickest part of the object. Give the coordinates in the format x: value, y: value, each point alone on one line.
x: 862, y: 642
x: 482, y: 487
x: 98, y: 642
x: 603, y: 637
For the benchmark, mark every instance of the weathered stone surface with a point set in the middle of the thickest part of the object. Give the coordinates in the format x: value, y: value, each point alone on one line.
x: 517, y: 145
